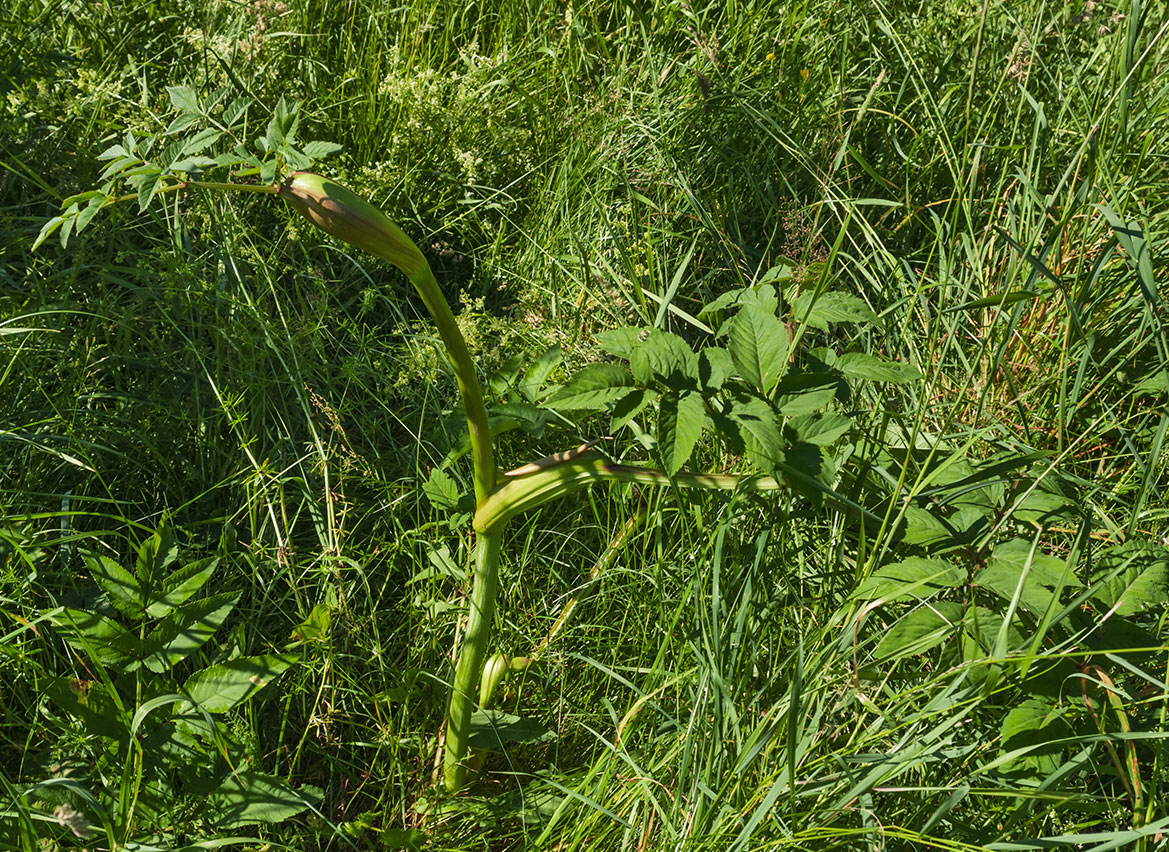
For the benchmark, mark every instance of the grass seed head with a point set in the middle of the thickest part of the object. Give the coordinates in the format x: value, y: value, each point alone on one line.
x: 345, y: 215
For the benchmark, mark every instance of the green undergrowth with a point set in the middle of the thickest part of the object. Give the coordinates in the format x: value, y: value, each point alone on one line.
x: 949, y: 635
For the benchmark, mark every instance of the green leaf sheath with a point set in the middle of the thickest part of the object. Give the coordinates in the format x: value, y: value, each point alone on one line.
x: 471, y: 656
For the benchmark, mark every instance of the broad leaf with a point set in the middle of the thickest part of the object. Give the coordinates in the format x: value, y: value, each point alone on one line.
x: 924, y: 628
x: 680, y: 423
x: 1133, y: 577
x: 859, y: 365
x: 315, y: 628
x: 620, y: 341
x: 830, y: 308
x: 594, y: 387
x: 119, y: 584
x: 183, y: 98
x: 181, y: 585
x: 629, y: 407
x: 666, y: 357
x: 818, y: 429
x: 715, y: 365
x: 1016, y: 567
x: 537, y: 374
x: 155, y: 554
x: 758, y: 345
x: 441, y: 490
x: 219, y: 688
x: 494, y: 729
x: 912, y: 578
x: 185, y: 631
x: 758, y: 429
x: 106, y: 641
x: 249, y: 797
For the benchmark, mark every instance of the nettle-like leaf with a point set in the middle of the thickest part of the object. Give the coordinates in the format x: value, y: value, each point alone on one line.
x: 664, y: 357
x: 185, y: 630
x: 122, y: 587
x: 495, y: 729
x: 680, y: 421
x: 103, y: 639
x: 758, y: 344
x: 180, y: 585
x: 248, y: 797
x: 1016, y: 568
x: 827, y: 308
x: 1132, y: 578
x: 593, y: 388
x: 219, y: 688
x: 441, y: 490
x: 156, y: 554
x: 920, y: 630
x: 860, y: 365
x: 914, y: 578
x: 754, y: 423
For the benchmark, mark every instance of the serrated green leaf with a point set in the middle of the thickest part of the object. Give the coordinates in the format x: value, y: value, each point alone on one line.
x: 630, y: 406
x: 187, y: 164
x: 106, y: 641
x: 1043, y: 508
x: 156, y: 554
x: 181, y: 123
x: 680, y: 421
x: 70, y: 219
x: 831, y: 308
x: 147, y: 187
x: 47, y: 230
x: 620, y: 341
x: 537, y: 374
x: 235, y: 109
x: 1132, y: 577
x: 593, y: 387
x: 495, y: 729
x: 248, y: 797
x: 922, y: 629
x: 181, y: 585
x: 922, y: 527
x: 219, y: 688
x: 268, y: 170
x: 183, y: 98
x: 758, y: 428
x: 201, y: 141
x: 664, y: 356
x: 185, y: 630
x: 715, y: 366
x: 317, y: 149
x: 915, y: 578
x: 89, y: 211
x: 758, y: 344
x: 804, y: 393
x: 113, y: 152
x: 1016, y: 567
x: 119, y: 584
x: 818, y: 429
x: 860, y: 365
x: 315, y: 628
x: 441, y: 490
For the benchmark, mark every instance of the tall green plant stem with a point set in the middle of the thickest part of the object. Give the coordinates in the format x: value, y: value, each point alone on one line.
x: 471, y: 655
x: 482, y: 454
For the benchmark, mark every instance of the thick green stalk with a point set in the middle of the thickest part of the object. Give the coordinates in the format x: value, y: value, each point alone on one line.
x: 482, y: 455
x: 471, y: 656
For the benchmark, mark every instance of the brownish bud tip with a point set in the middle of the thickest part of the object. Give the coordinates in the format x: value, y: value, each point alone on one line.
x: 348, y: 217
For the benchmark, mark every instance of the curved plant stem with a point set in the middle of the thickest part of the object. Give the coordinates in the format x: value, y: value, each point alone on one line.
x: 482, y: 455
x: 471, y: 655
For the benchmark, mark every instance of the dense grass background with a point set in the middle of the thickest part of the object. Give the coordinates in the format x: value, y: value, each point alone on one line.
x: 565, y: 166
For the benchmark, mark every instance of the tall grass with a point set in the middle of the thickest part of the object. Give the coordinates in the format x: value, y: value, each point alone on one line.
x: 988, y: 178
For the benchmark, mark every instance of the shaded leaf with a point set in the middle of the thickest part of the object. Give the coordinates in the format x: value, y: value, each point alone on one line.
x: 106, y: 641
x: 1014, y: 566
x: 667, y: 357
x: 180, y: 585
x: 830, y: 308
x: 495, y: 729
x: 1132, y: 577
x: 185, y: 631
x: 119, y: 584
x: 441, y: 490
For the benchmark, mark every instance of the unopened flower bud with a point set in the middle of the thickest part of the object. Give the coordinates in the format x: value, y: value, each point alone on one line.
x: 345, y: 215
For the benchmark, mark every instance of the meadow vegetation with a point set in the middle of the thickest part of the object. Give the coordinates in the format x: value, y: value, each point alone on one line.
x: 857, y: 306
